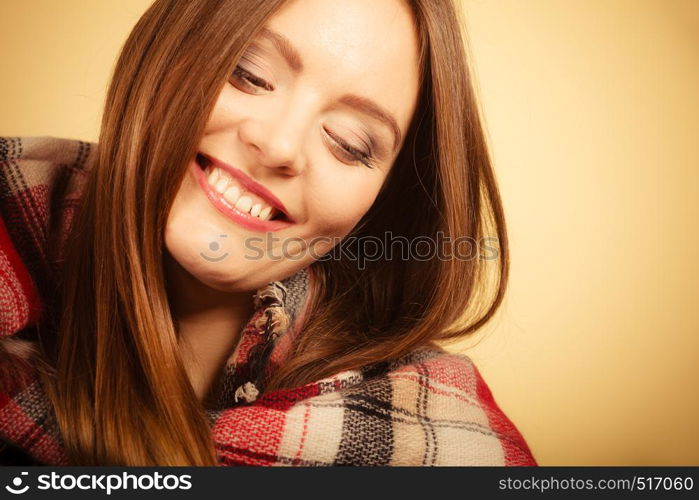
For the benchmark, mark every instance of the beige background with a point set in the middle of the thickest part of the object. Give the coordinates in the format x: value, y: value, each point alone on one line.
x: 593, y: 114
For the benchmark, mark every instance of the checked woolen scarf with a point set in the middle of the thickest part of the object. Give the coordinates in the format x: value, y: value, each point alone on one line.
x: 429, y: 407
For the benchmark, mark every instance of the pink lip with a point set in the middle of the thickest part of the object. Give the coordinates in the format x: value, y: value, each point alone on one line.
x: 249, y: 184
x: 223, y: 206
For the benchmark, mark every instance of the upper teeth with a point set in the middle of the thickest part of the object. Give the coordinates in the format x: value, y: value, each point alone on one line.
x: 231, y: 191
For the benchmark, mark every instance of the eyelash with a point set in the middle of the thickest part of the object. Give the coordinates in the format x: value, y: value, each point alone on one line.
x: 251, y: 79
x: 367, y: 159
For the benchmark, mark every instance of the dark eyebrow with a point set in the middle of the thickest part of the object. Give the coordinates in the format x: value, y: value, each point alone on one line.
x: 362, y: 104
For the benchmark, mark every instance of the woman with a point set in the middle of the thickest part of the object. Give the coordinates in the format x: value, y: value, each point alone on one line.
x: 199, y: 311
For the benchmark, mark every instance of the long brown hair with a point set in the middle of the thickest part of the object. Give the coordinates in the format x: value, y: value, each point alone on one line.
x: 118, y: 385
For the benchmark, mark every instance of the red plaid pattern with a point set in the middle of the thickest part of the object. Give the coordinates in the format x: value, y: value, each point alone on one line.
x: 428, y: 408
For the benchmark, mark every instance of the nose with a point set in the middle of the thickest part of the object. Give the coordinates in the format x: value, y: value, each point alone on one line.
x: 275, y: 143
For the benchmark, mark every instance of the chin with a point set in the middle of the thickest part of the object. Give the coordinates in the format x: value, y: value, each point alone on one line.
x: 229, y: 277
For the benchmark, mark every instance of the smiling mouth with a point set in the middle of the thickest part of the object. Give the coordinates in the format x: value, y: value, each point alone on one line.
x: 248, y: 202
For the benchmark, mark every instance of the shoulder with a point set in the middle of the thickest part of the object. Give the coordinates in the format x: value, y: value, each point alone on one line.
x: 427, y: 408
x: 441, y: 412
x: 40, y: 182
x: 36, y: 170
x: 51, y: 151
x: 38, y: 175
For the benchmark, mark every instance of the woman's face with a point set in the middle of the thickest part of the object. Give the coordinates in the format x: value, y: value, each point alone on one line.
x: 322, y: 77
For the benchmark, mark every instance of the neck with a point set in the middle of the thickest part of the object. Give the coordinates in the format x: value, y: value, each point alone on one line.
x: 209, y: 323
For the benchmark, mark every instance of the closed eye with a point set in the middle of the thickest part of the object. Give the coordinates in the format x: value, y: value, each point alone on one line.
x: 357, y: 155
x: 251, y: 80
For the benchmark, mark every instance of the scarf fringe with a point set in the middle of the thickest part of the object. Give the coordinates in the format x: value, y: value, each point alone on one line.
x: 271, y: 324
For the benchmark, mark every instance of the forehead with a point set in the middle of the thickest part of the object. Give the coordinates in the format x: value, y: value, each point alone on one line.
x: 365, y: 47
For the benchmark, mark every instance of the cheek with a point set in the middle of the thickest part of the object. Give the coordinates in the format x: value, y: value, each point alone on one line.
x: 337, y: 207
x: 195, y: 242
